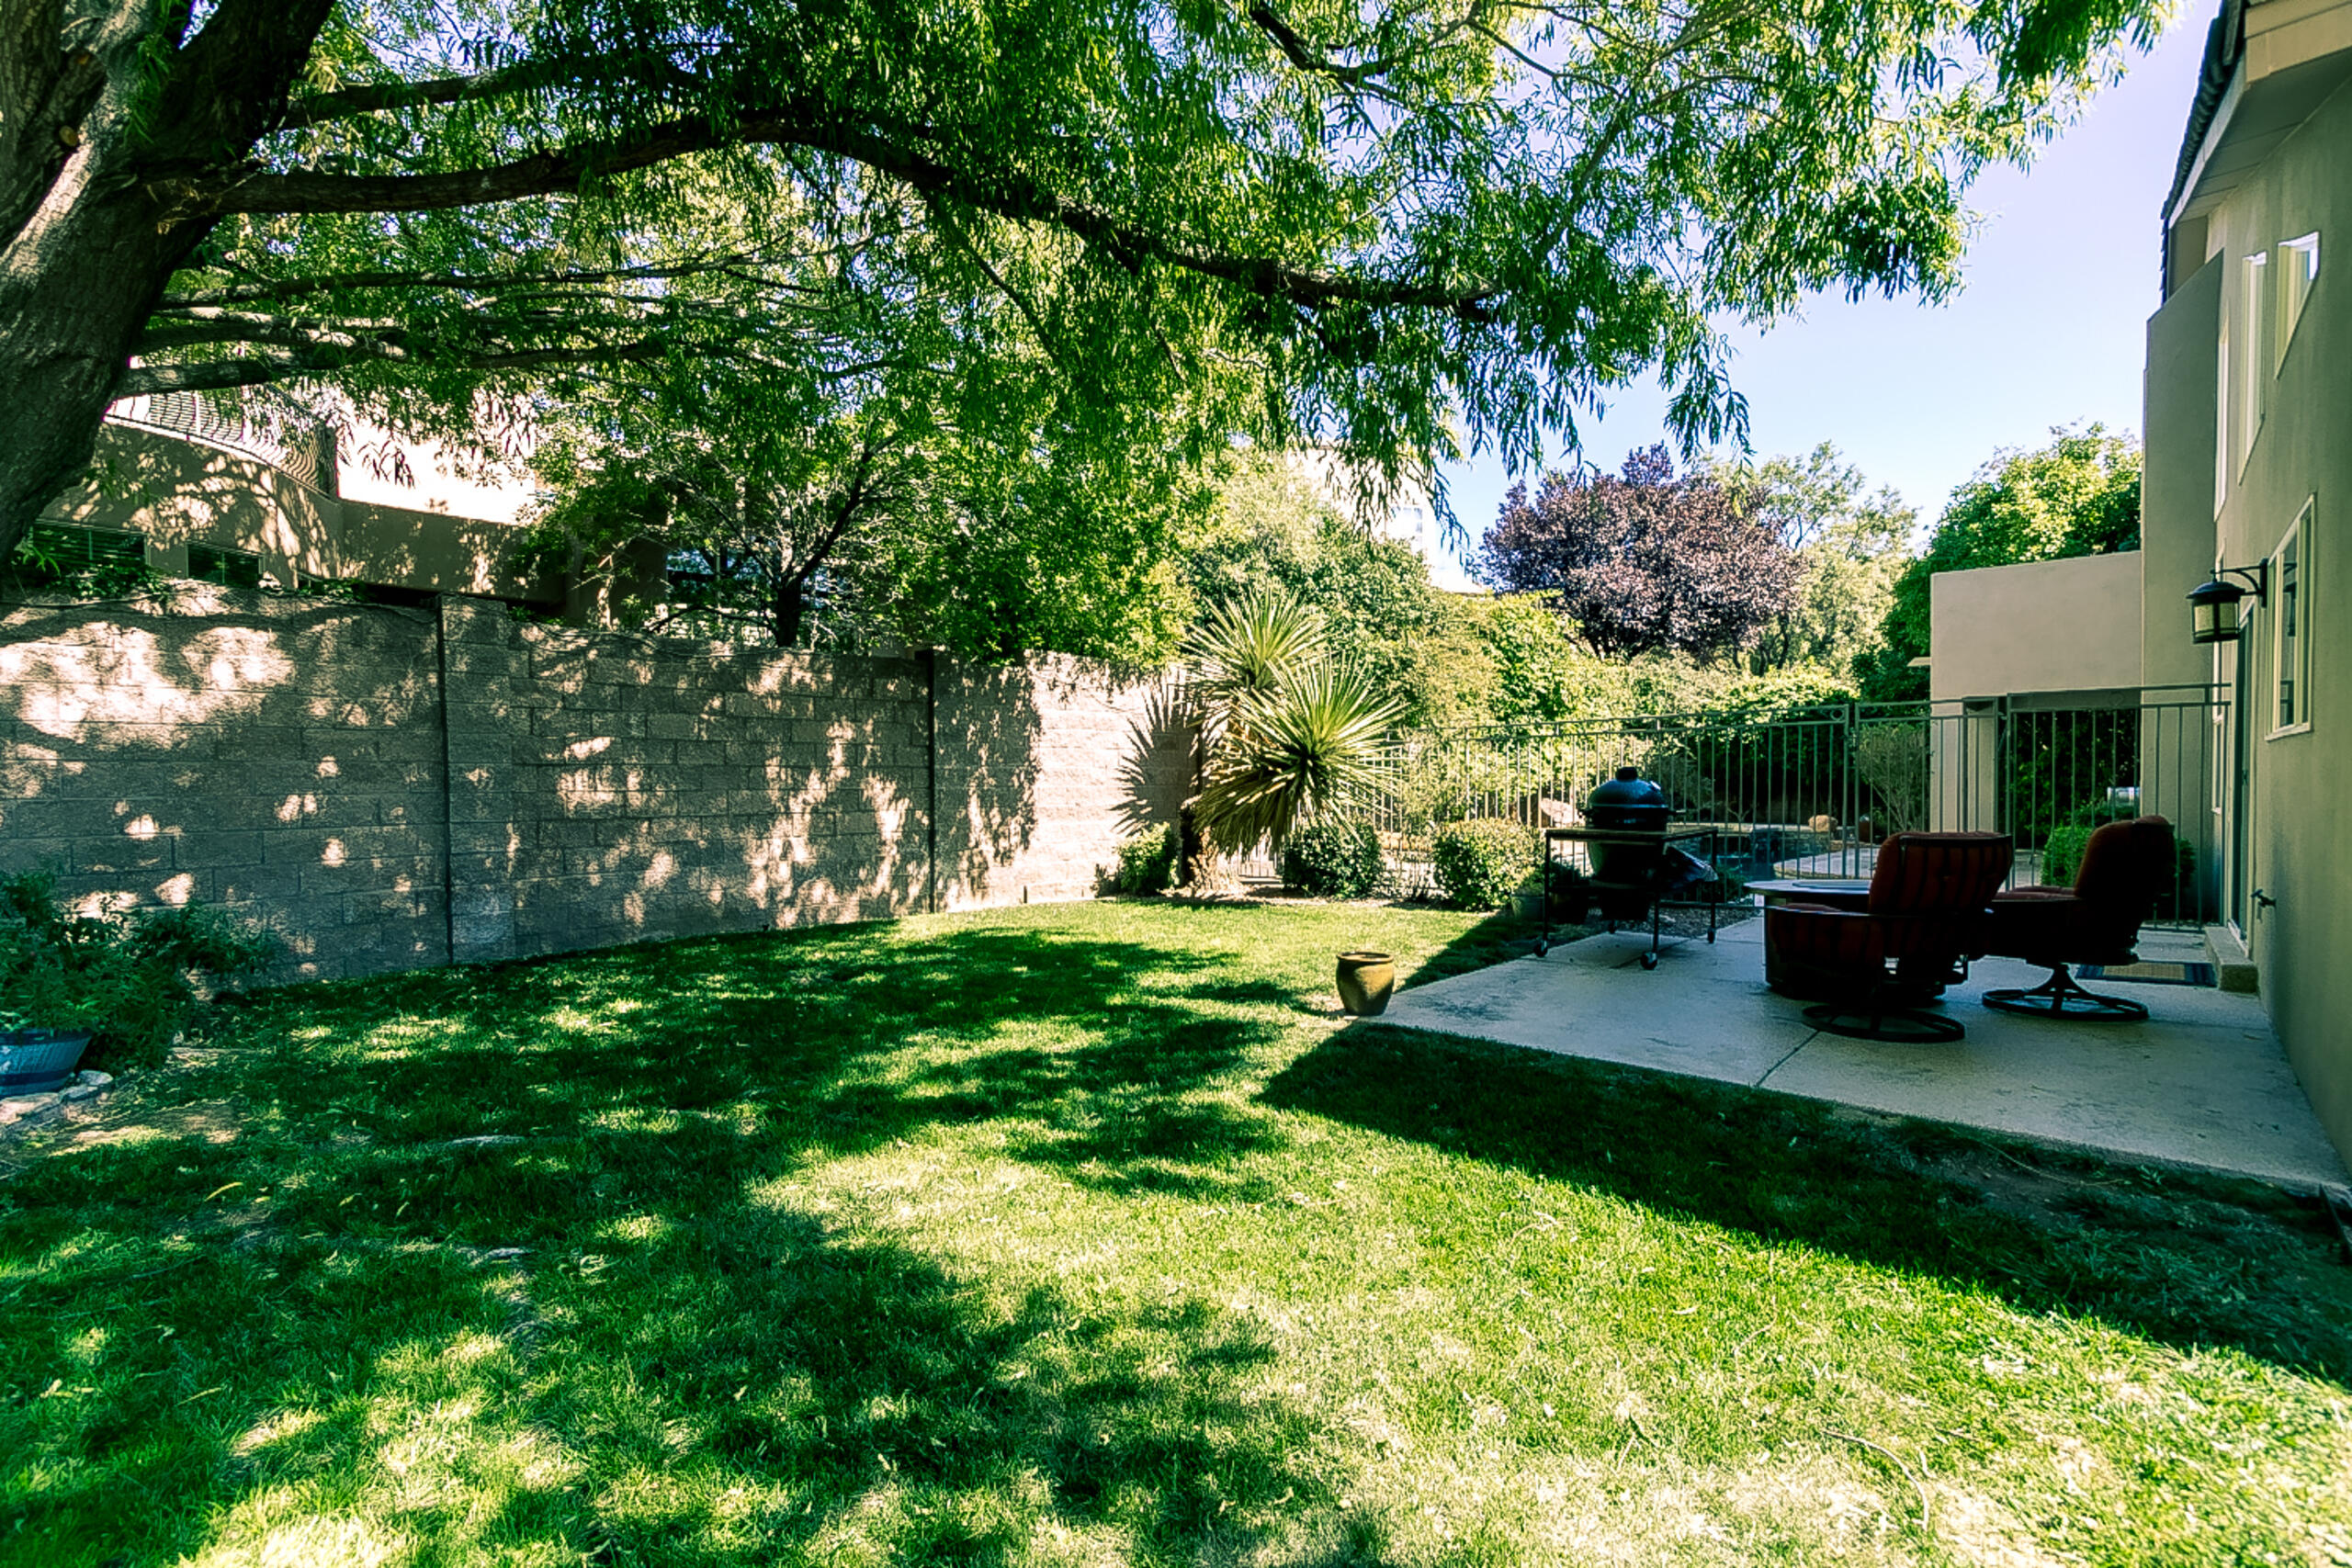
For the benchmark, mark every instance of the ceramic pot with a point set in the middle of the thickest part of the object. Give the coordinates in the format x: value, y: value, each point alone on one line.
x: 1366, y: 982
x: 34, y: 1061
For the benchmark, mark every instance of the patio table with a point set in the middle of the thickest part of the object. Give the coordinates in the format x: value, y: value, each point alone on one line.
x: 1781, y: 973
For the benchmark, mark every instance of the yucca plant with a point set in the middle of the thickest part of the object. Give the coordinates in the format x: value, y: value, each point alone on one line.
x: 1243, y: 651
x: 1288, y: 755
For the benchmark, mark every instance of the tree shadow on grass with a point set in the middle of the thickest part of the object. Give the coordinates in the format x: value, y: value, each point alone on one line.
x: 843, y: 1041
x: 2186, y: 1260
x: 515, y: 1260
x: 742, y: 1385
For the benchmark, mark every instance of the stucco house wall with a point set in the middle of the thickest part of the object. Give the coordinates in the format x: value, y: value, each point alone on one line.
x: 178, y: 491
x: 2269, y: 167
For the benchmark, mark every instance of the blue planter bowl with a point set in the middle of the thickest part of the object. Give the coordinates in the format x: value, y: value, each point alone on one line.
x: 34, y: 1061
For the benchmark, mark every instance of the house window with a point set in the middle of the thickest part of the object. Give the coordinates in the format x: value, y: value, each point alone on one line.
x: 63, y: 552
x: 2253, y: 362
x: 230, y: 569
x: 2290, y: 661
x: 2297, y: 265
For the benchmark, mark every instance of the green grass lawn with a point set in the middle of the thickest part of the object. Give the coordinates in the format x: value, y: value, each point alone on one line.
x: 1084, y: 1235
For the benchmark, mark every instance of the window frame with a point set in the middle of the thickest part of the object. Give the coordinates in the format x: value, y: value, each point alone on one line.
x: 2290, y: 578
x: 2223, y: 405
x: 2297, y: 262
x: 224, y: 568
x: 2254, y: 367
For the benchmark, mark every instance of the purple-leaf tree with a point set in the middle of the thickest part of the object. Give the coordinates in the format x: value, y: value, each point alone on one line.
x: 1644, y: 560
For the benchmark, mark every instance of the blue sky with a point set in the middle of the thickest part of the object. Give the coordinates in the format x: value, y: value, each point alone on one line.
x: 2060, y: 281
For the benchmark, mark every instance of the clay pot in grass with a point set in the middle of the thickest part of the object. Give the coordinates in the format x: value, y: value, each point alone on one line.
x: 1366, y: 982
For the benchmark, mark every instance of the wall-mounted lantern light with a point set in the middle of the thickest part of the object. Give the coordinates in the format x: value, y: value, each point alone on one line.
x: 2214, y: 606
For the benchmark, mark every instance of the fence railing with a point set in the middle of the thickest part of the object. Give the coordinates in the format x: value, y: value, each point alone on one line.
x: 1811, y: 791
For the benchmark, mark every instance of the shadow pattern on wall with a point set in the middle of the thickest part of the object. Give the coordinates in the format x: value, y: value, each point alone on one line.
x: 297, y: 761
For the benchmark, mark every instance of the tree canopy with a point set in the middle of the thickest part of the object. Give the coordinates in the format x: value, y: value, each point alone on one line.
x: 1644, y: 560
x: 1398, y: 231
x: 1851, y: 545
x: 1273, y: 527
x: 2078, y: 496
x: 886, y: 523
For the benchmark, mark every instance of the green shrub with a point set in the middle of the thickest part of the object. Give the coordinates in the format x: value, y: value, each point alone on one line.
x: 127, y: 979
x: 2062, y: 854
x: 1480, y: 863
x: 1148, y: 861
x: 1333, y: 860
x: 2062, y: 858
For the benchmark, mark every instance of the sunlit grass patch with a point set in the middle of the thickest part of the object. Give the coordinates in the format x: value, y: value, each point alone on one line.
x: 1081, y: 1234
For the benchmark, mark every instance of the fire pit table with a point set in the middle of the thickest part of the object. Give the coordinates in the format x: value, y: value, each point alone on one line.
x: 1785, y: 975
x: 1649, y: 846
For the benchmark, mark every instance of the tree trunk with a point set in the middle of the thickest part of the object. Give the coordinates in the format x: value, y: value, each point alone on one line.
x: 77, y: 284
x: 103, y: 115
x: 789, y: 607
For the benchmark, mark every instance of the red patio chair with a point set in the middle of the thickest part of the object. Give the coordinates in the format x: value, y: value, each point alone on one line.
x: 2127, y: 866
x: 1928, y: 895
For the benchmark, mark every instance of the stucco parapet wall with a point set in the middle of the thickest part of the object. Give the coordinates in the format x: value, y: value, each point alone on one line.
x: 2053, y: 625
x: 180, y: 493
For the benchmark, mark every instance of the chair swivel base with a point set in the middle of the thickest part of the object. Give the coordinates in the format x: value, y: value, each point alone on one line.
x: 1900, y: 1026
x: 2060, y: 997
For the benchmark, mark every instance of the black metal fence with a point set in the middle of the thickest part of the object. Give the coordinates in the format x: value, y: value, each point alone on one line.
x: 1811, y: 791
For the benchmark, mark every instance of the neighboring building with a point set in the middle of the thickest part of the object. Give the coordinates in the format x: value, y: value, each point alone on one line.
x: 192, y: 495
x: 2249, y: 467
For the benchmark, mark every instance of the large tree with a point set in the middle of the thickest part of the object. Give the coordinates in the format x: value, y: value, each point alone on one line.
x: 781, y: 518
x: 1273, y: 527
x: 1291, y: 217
x: 1644, y: 560
x: 1851, y: 545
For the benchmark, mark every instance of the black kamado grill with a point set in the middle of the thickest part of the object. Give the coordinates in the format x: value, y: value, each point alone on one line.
x: 1637, y: 859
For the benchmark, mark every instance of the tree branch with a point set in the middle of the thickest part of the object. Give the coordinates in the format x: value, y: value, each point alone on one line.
x: 523, y: 76
x: 1004, y: 193
x: 374, y: 97
x: 223, y: 375
x: 303, y: 287
x: 1307, y: 58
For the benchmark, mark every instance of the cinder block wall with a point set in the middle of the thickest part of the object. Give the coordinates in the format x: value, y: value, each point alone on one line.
x: 280, y: 755
x: 1041, y: 765
x: 298, y: 761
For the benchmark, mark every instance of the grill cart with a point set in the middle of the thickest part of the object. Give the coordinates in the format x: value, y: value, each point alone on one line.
x: 1637, y: 857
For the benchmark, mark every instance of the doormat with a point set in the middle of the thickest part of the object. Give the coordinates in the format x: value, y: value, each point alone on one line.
x: 2150, y: 974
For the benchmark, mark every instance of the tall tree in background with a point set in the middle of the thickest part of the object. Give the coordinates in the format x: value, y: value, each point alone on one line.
x: 883, y: 520
x: 1273, y: 527
x: 1852, y: 546
x: 1297, y: 219
x: 2078, y: 496
x: 1644, y: 560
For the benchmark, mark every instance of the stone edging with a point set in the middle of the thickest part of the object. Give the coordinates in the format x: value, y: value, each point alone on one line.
x: 23, y: 1113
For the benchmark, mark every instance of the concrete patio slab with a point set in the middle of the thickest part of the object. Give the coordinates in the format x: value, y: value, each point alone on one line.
x: 2202, y: 1082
